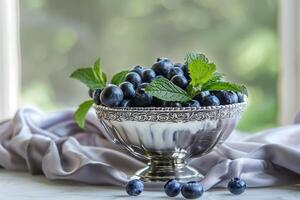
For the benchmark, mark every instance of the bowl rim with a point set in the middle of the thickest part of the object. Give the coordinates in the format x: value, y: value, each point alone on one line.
x: 170, y: 109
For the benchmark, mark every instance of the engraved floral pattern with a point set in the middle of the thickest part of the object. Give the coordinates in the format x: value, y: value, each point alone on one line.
x: 169, y: 114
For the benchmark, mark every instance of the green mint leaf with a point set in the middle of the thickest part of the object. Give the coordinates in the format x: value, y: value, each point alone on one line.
x: 195, y: 56
x: 81, y: 112
x: 118, y: 78
x: 88, y: 77
x: 226, y: 86
x: 200, y: 69
x: 217, y: 77
x: 165, y: 90
x: 97, y: 68
x: 104, y: 76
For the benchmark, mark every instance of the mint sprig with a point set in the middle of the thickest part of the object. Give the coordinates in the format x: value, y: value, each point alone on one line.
x: 165, y: 90
x: 200, y: 70
x: 93, y: 77
x: 118, y: 78
x: 81, y: 112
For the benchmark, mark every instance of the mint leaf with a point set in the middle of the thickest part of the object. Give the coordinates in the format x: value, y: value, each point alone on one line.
x: 217, y: 77
x: 200, y: 69
x: 88, y: 77
x: 81, y: 112
x: 104, y: 76
x: 118, y: 78
x: 92, y: 77
x: 165, y: 90
x: 195, y: 56
x: 97, y: 68
x: 226, y: 86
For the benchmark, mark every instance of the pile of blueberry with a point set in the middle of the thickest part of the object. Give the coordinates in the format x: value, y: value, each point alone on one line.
x: 189, y: 190
x: 131, y: 93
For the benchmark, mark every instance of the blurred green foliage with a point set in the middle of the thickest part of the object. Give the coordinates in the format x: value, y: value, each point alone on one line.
x: 239, y: 35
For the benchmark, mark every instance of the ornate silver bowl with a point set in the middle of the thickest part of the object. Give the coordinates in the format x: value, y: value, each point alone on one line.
x: 167, y: 138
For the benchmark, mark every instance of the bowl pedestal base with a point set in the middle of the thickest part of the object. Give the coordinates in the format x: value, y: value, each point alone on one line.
x: 162, y: 170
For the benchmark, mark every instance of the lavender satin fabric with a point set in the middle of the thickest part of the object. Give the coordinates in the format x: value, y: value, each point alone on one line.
x: 53, y: 145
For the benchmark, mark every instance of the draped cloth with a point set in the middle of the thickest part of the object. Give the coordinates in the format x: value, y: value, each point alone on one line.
x: 53, y: 145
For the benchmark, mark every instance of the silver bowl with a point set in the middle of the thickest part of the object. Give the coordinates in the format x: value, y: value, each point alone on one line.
x: 167, y: 138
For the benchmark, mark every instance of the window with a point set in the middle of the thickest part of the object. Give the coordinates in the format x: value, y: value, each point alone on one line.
x: 59, y: 36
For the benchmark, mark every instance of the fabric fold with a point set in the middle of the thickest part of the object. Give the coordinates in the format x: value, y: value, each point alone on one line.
x: 53, y: 145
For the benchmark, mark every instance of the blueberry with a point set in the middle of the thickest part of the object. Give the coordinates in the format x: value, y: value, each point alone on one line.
x: 96, y: 96
x: 138, y: 69
x: 156, y: 102
x: 125, y: 103
x: 241, y: 97
x: 133, y: 78
x: 185, y: 70
x: 172, y: 188
x: 199, y: 97
x: 178, y: 65
x: 192, y: 190
x: 162, y: 58
x: 175, y: 71
x: 226, y: 97
x: 148, y: 75
x: 236, y: 186
x: 91, y: 92
x: 159, y: 76
x: 142, y: 100
x: 162, y: 67
x: 192, y: 103
x: 180, y: 81
x: 134, y: 187
x: 172, y: 104
x: 111, y: 96
x: 210, y: 100
x: 141, y: 88
x: 128, y: 89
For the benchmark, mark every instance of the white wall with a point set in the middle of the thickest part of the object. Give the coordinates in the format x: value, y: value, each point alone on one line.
x: 9, y: 57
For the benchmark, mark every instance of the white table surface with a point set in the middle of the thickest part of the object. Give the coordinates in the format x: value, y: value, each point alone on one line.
x: 23, y: 186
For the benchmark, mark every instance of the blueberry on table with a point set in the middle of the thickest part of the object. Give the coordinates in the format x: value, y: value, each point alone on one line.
x: 148, y: 75
x: 127, y: 89
x: 226, y: 97
x: 192, y: 103
x: 175, y: 71
x: 134, y: 78
x: 236, y: 186
x: 91, y: 93
x: 162, y: 67
x: 210, y: 100
x: 134, y: 187
x: 96, y: 96
x: 172, y: 188
x: 141, y: 88
x: 192, y: 190
x: 180, y: 81
x: 111, y: 96
x: 138, y: 69
x: 142, y: 100
x: 241, y: 97
x: 199, y: 97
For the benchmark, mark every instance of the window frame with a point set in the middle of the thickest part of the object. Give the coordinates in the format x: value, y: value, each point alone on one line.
x: 9, y: 58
